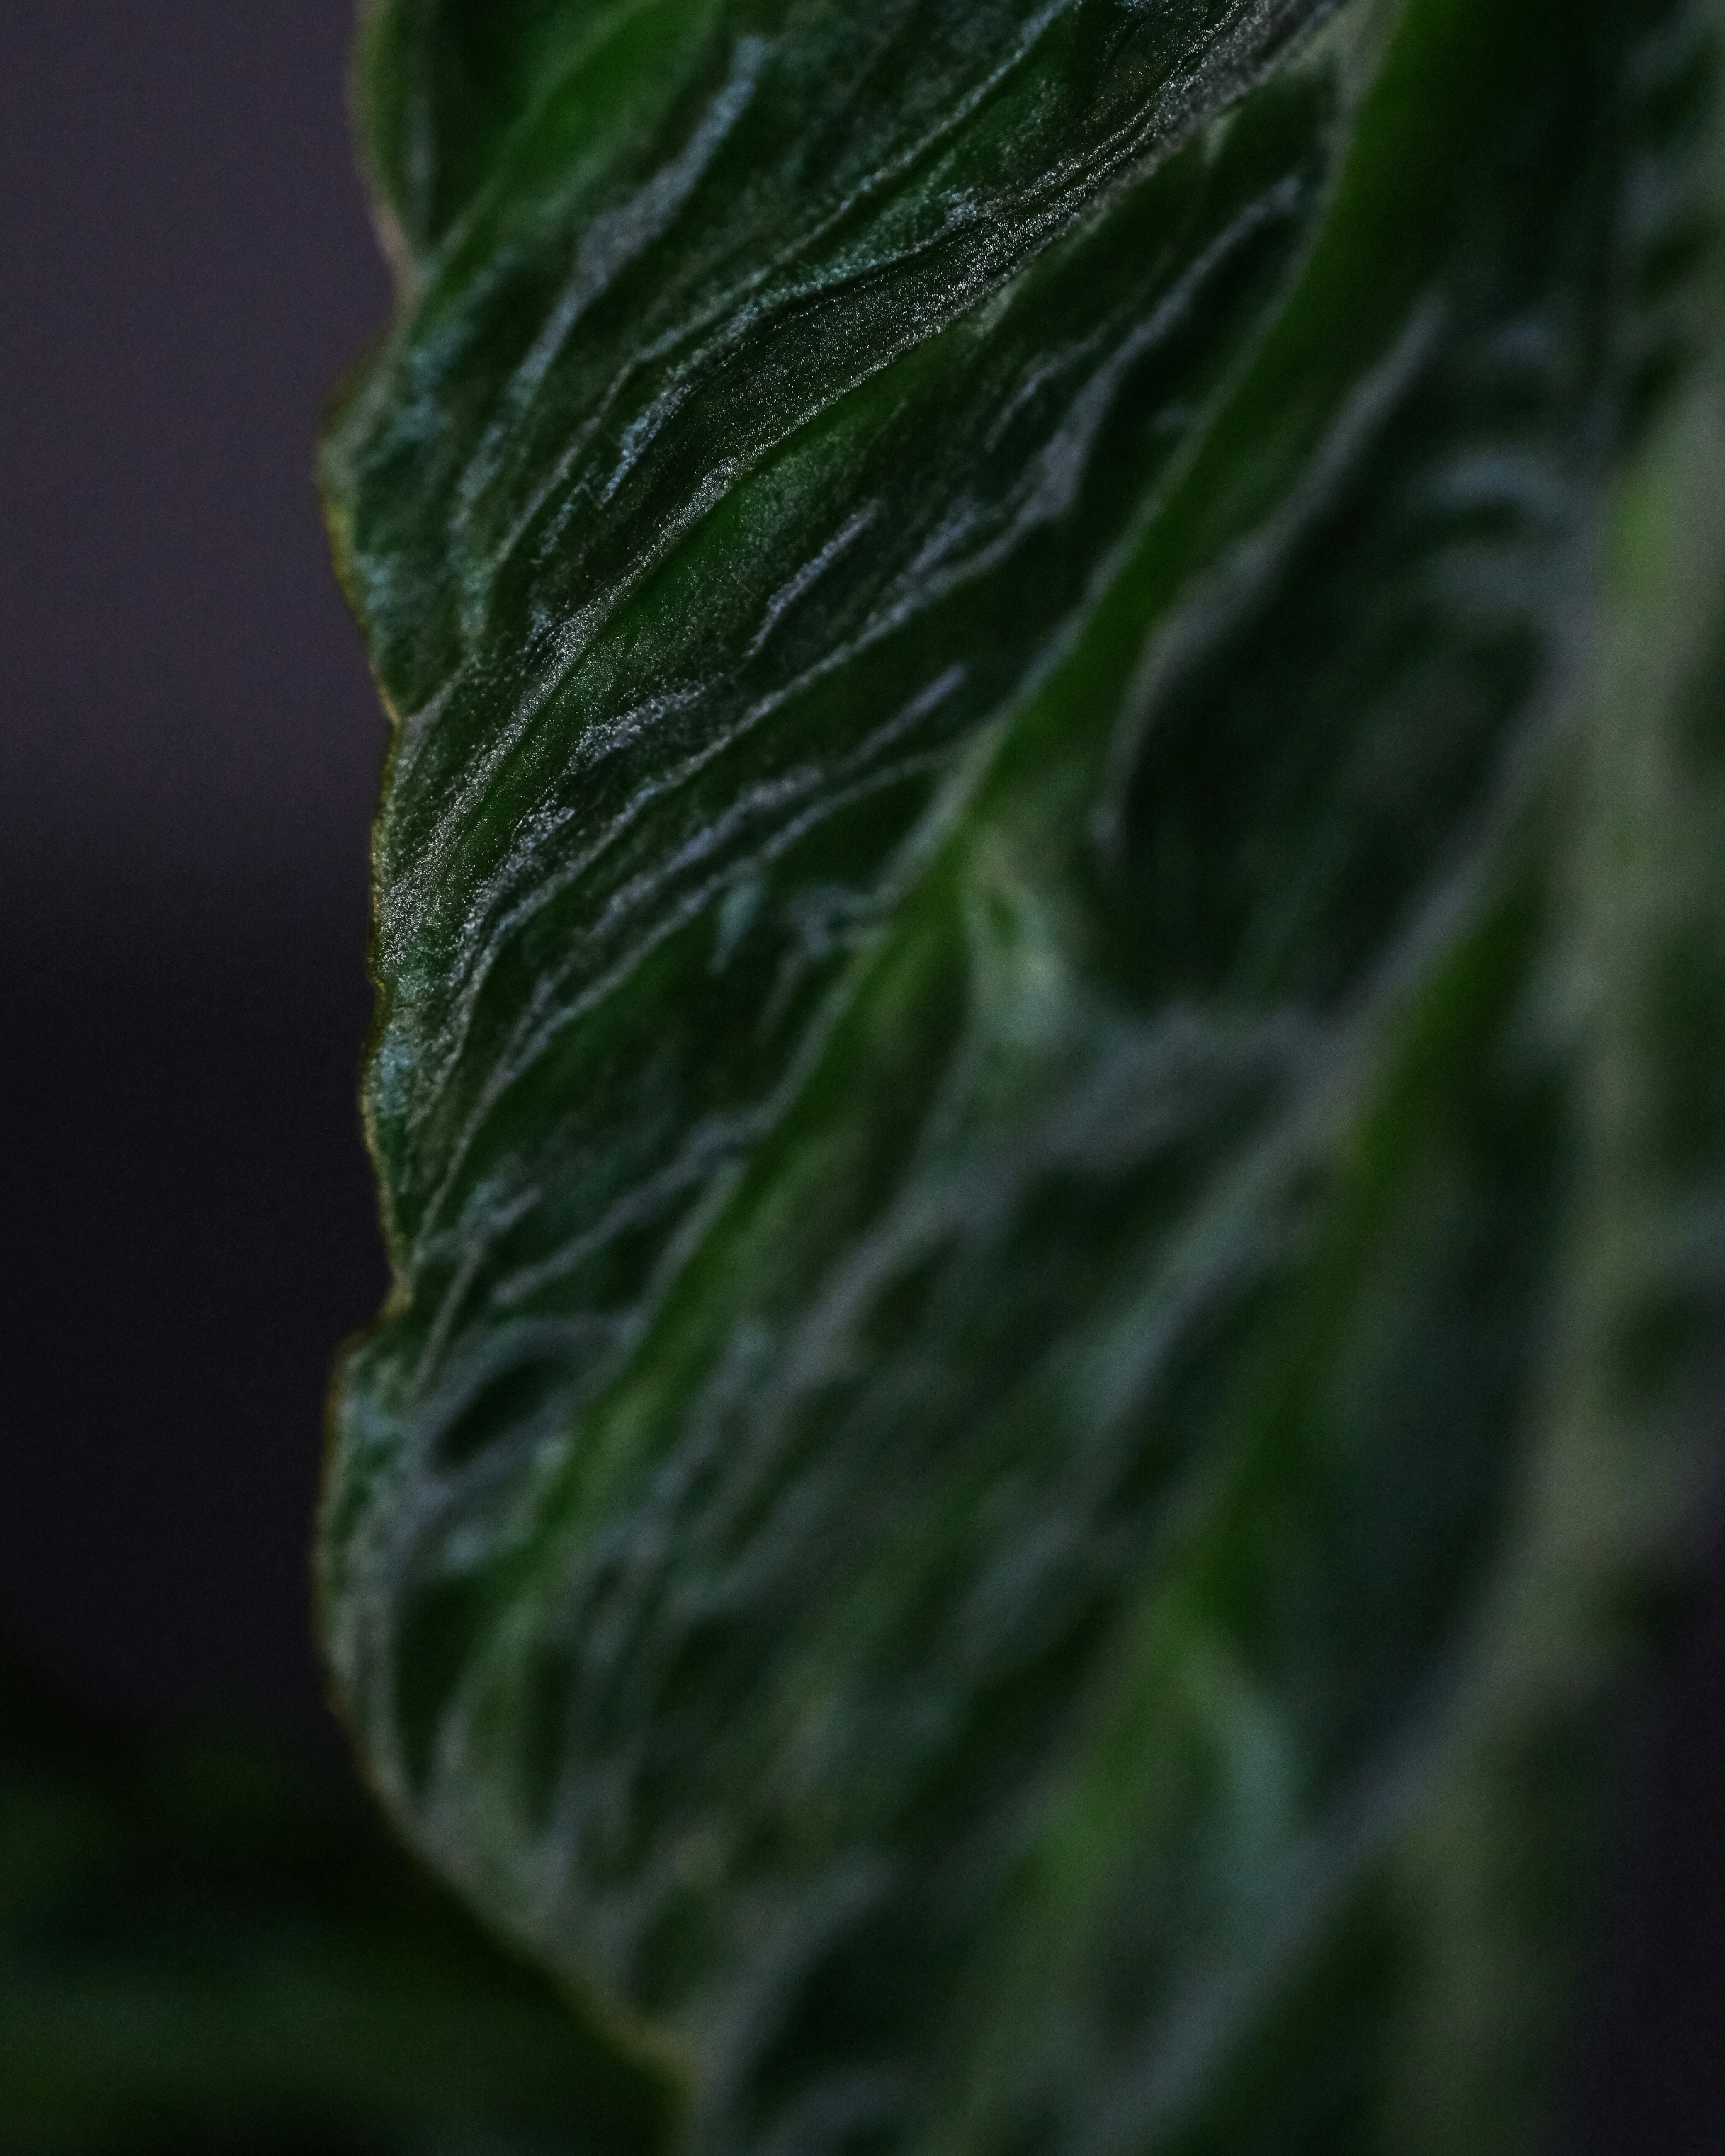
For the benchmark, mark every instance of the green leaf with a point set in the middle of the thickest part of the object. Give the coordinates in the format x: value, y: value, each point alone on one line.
x: 1047, y: 1080
x: 202, y: 1950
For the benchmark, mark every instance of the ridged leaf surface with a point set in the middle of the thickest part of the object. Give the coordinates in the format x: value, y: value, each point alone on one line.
x: 1047, y: 1088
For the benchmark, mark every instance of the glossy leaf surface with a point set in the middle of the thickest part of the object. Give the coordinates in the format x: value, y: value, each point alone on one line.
x: 1047, y: 1087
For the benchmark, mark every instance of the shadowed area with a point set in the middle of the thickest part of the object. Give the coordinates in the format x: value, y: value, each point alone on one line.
x: 189, y: 747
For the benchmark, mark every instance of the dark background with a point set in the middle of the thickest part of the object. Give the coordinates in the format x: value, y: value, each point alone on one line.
x: 189, y: 746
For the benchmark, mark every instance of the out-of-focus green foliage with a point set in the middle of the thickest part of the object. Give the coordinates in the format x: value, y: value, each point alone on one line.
x: 205, y: 1953
x: 1048, y: 1090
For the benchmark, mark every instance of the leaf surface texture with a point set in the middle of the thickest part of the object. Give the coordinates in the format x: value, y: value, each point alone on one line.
x: 1047, y: 1080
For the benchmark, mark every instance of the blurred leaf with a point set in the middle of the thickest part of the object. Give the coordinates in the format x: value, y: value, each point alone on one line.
x: 200, y: 1950
x: 1048, y: 1086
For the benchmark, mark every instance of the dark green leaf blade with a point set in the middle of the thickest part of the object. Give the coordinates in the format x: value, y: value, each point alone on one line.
x: 995, y: 1488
